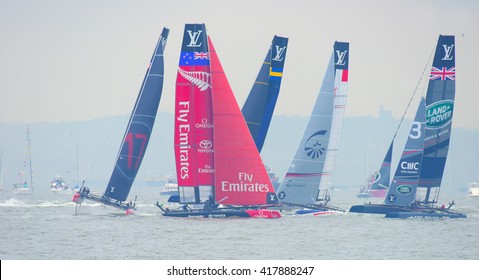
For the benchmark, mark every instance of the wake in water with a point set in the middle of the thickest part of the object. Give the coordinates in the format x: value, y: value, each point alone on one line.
x: 12, y: 202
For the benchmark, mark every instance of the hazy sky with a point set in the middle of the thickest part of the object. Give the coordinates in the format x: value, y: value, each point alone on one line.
x: 76, y: 60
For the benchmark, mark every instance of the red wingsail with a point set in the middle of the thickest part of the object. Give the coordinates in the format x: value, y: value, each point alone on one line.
x: 193, y: 118
x: 240, y: 175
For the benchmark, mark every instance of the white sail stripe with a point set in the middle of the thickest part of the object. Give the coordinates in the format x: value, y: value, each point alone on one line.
x: 155, y: 75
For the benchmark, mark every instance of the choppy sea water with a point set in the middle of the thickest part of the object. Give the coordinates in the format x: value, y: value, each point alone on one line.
x: 43, y: 226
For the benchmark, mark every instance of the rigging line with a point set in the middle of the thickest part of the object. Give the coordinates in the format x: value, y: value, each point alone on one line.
x: 413, y: 94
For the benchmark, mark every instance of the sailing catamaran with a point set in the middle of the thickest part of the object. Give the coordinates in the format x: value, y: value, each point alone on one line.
x: 23, y: 187
x: 217, y: 160
x: 136, y: 138
x: 415, y: 187
x: 312, y: 167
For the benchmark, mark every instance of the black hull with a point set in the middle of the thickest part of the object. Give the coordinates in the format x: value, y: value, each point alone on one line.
x: 208, y: 214
x: 379, y: 209
x: 391, y: 211
x: 241, y: 212
x: 434, y: 214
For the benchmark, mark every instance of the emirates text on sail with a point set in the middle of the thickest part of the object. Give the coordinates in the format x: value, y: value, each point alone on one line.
x: 184, y: 130
x: 243, y: 186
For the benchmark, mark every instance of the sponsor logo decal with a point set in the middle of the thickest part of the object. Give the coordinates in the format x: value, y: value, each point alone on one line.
x: 205, y: 146
x: 439, y: 114
x: 244, y: 184
x: 194, y: 37
x: 313, y: 148
x: 279, y: 53
x: 341, y: 57
x: 204, y: 124
x: 448, y: 52
x: 404, y: 189
x: 201, y: 80
x: 183, y: 141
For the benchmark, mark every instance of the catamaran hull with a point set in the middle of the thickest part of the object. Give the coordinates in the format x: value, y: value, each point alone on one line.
x: 265, y: 214
x: 424, y: 215
x: 391, y: 211
x: 378, y: 209
x: 313, y: 212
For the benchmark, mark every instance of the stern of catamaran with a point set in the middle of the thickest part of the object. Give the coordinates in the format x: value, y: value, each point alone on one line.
x: 77, y: 198
x: 84, y: 193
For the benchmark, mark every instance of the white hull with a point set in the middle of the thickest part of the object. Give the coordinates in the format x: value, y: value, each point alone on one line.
x: 473, y: 189
x: 170, y: 188
x: 23, y: 191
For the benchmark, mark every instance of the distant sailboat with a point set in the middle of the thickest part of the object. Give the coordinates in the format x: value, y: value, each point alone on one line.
x: 312, y: 167
x: 415, y: 187
x: 216, y: 158
x: 136, y: 138
x: 25, y: 185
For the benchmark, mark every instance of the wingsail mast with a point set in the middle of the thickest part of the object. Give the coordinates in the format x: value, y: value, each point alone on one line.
x: 341, y: 66
x: 137, y: 135
x: 194, y: 149
x: 259, y: 106
x: 439, y: 112
x: 301, y: 184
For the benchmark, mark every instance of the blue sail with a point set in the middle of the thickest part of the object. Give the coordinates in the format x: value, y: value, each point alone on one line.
x: 259, y: 106
x: 140, y: 125
x: 404, y: 184
x: 439, y: 112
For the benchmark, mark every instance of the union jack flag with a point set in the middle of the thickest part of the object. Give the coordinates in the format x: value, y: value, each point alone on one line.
x: 201, y: 55
x: 443, y: 73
